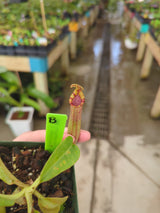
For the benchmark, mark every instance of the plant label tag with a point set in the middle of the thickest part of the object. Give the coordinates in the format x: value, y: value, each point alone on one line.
x: 84, y: 23
x: 87, y: 14
x: 55, y: 124
x: 73, y: 26
x: 144, y: 28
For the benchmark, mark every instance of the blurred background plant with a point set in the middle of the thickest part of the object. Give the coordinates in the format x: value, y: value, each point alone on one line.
x: 13, y: 94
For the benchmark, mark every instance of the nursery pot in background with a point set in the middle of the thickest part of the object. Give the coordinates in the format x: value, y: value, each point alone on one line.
x: 18, y: 123
x: 129, y: 44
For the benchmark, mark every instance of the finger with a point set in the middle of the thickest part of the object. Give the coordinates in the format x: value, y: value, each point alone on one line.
x: 32, y: 136
x: 39, y: 136
x: 36, y: 136
x: 83, y: 137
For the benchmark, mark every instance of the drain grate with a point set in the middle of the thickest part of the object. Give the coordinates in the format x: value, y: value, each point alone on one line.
x: 99, y: 126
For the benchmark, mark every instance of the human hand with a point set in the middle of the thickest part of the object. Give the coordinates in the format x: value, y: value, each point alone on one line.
x: 39, y: 136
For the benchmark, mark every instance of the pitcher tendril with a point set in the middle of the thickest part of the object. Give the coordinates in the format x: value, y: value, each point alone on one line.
x: 76, y: 102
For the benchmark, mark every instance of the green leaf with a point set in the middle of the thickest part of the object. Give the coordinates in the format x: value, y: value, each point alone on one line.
x: 6, y: 98
x: 10, y: 77
x: 4, y: 84
x: 64, y: 156
x: 10, y: 200
x: 51, y: 204
x: 6, y: 202
x: 4, y: 91
x: 12, y: 89
x: 21, y: 200
x: 7, y: 176
x: 9, y: 100
x: 35, y: 211
x: 33, y: 92
x: 62, y: 209
x: 30, y: 102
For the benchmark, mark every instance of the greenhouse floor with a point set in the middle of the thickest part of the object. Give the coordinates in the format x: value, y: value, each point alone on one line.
x: 119, y: 168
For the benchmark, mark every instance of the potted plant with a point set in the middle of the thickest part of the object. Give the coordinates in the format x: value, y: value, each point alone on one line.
x: 44, y: 189
x: 19, y: 117
x: 34, y: 27
x: 29, y: 194
x: 22, y: 31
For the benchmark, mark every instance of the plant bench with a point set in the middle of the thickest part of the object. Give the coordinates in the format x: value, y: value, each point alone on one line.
x: 39, y: 65
x: 148, y: 48
x: 84, y: 23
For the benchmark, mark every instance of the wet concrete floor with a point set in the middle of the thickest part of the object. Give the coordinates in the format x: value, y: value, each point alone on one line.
x: 111, y: 170
x: 131, y: 98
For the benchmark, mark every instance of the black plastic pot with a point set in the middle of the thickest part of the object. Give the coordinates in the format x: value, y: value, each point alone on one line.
x: 17, y: 1
x: 3, y: 50
x: 42, y: 50
x: 66, y: 15
x: 7, y: 50
x: 10, y: 50
x: 31, y: 50
x: 65, y: 29
x: 36, y: 145
x: 51, y: 45
x: 20, y: 50
x: 63, y: 34
x: 141, y: 19
x: 76, y: 16
x: 24, y: 50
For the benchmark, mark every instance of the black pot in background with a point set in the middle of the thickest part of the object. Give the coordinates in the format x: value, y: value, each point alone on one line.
x: 42, y: 51
x: 64, y: 32
x: 3, y: 50
x: 66, y: 15
x: 10, y: 50
x: 65, y: 29
x: 7, y: 50
x: 51, y: 45
x: 31, y: 50
x: 24, y: 50
x: 62, y: 35
x: 141, y: 19
x: 17, y: 1
x: 21, y: 50
x: 76, y: 16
